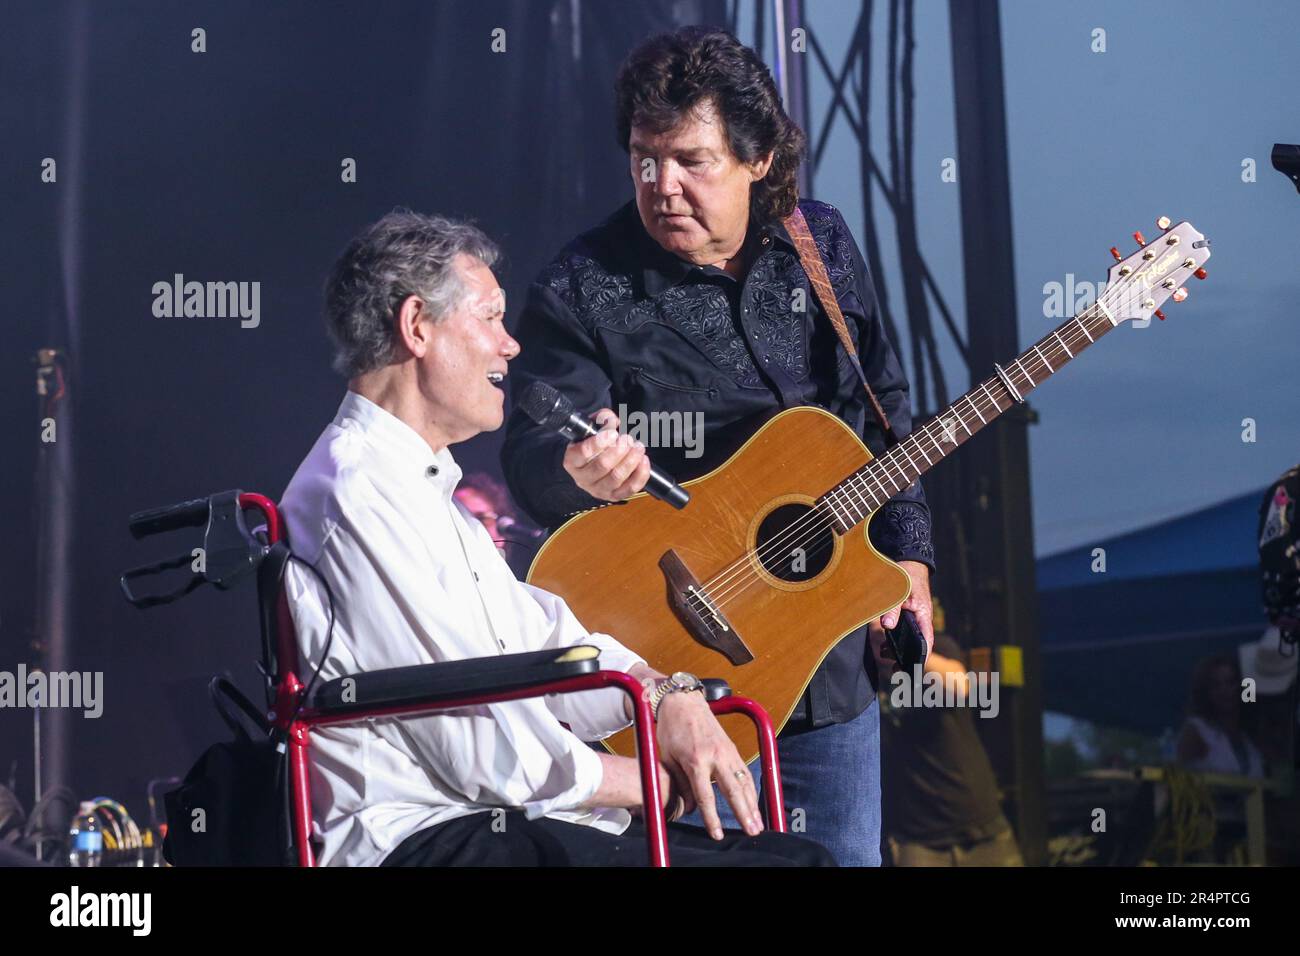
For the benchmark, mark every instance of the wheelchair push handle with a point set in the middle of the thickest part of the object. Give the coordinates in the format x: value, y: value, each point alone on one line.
x: 186, y: 514
x: 229, y: 553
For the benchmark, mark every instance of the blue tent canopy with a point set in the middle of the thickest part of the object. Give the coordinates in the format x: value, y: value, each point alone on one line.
x: 1119, y: 646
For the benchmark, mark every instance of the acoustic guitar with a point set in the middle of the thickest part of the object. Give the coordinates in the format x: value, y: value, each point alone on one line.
x: 770, y: 566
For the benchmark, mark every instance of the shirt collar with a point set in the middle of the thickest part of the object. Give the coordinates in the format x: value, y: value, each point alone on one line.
x: 662, y: 270
x: 777, y: 232
x: 399, y: 442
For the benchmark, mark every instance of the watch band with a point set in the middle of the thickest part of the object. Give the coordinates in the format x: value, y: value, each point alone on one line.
x: 671, y: 685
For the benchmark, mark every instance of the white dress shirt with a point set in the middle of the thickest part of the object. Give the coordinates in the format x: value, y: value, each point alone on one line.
x: 418, y: 580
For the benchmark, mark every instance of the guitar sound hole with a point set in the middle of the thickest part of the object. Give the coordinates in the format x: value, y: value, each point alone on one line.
x: 795, y: 543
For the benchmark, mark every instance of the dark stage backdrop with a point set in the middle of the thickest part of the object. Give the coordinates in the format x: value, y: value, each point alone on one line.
x: 226, y: 165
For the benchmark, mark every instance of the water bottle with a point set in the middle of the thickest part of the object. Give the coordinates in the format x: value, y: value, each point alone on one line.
x: 85, y: 839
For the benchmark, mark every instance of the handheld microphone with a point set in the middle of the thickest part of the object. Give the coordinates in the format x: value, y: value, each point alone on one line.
x: 545, y: 405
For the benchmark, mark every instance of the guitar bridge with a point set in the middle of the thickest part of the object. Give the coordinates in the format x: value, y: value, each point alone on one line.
x: 699, y: 613
x: 707, y: 604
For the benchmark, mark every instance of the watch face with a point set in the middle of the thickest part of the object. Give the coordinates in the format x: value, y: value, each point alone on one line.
x: 683, y: 679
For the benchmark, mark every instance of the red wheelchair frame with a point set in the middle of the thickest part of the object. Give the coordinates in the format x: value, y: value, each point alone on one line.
x: 295, y: 715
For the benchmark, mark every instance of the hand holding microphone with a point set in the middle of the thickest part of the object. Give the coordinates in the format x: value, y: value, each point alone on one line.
x: 604, y: 462
x: 608, y: 465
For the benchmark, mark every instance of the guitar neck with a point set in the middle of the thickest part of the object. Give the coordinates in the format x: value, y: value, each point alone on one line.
x: 854, y: 499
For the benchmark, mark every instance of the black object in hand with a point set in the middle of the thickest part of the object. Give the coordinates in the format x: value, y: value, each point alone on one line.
x: 907, y: 642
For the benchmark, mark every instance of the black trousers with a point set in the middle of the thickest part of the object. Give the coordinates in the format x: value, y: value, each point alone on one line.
x: 511, y: 839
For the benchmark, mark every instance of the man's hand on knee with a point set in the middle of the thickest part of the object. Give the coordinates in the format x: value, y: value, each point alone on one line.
x: 698, y: 753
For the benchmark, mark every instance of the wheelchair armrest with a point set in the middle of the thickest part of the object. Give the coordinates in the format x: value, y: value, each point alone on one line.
x: 428, y: 683
x: 715, y: 688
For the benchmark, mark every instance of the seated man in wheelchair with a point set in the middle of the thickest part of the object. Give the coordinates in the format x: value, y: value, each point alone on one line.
x: 416, y: 318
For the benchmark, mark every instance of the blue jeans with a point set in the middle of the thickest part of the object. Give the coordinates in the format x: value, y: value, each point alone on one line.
x: 831, y: 780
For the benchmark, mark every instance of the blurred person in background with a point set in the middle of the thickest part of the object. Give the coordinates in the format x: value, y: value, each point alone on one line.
x: 940, y: 798
x: 1213, y: 738
x: 489, y: 502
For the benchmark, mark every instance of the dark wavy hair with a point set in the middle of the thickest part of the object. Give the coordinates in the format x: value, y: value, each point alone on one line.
x: 671, y: 74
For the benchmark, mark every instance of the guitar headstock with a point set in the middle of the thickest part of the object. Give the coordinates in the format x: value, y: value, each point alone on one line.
x: 1137, y: 286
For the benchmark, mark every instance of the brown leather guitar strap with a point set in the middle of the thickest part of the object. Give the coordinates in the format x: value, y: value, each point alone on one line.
x: 811, y: 258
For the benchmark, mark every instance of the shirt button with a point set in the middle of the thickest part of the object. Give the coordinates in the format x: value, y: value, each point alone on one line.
x: 432, y: 471
x: 767, y: 240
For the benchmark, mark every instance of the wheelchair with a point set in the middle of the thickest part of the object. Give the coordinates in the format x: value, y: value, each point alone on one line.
x: 233, y: 553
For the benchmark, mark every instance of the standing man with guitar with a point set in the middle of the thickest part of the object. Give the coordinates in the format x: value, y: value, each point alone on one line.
x: 696, y: 299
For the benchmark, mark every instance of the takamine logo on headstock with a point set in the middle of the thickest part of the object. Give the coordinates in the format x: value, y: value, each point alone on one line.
x: 1140, y: 284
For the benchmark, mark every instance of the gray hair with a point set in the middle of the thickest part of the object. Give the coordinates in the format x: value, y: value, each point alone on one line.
x: 403, y: 254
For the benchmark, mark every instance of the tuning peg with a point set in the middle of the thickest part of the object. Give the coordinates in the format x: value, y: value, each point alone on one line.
x: 1141, y: 241
x: 1160, y: 315
x: 1114, y: 251
x: 1163, y: 223
x: 1180, y: 294
x: 1200, y: 273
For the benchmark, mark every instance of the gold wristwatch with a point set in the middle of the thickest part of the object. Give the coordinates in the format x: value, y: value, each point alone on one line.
x: 679, y: 683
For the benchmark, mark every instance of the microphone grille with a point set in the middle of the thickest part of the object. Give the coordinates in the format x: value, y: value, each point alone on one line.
x: 545, y: 405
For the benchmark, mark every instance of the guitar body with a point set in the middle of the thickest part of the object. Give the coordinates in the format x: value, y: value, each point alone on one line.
x: 787, y: 606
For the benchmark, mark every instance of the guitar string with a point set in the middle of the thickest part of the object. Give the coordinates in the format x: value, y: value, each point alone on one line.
x: 780, y: 542
x: 857, y: 482
x: 1073, y: 330
x: 1078, y: 325
x: 819, y: 522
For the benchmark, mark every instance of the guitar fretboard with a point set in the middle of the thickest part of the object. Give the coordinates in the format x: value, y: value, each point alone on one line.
x: 852, y: 500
